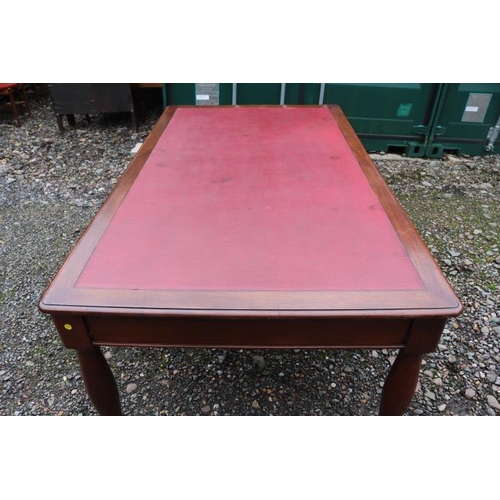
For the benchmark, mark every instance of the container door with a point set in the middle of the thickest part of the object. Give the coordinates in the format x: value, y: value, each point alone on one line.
x: 388, y: 117
x: 267, y: 93
x: 467, y: 121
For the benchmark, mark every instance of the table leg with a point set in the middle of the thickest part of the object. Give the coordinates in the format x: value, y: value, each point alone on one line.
x: 13, y: 105
x: 134, y: 121
x: 26, y: 102
x: 59, y: 119
x: 99, y: 381
x: 400, y: 384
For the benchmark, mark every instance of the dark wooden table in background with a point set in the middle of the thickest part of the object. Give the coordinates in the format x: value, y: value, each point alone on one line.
x: 69, y: 99
x: 251, y: 227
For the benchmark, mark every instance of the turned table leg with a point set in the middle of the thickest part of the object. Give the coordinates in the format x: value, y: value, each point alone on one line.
x: 99, y: 381
x: 400, y: 384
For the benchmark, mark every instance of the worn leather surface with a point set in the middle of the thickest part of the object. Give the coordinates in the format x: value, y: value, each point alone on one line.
x: 256, y: 198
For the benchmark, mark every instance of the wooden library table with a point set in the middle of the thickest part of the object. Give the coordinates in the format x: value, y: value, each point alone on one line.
x: 251, y: 227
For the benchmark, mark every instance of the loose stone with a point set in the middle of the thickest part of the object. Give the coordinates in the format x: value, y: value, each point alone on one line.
x: 131, y: 388
x: 430, y: 395
x: 258, y: 362
x: 470, y: 393
x: 492, y: 402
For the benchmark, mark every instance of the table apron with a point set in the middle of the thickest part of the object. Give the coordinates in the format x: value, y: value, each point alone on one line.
x: 144, y: 331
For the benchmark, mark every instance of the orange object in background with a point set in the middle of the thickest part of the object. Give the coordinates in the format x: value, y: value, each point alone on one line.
x: 17, y: 95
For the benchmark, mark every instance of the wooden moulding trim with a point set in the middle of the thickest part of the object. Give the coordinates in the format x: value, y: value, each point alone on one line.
x: 211, y: 345
x: 254, y: 313
x: 328, y: 304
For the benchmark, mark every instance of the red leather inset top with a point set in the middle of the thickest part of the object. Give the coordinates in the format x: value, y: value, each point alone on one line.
x: 256, y: 198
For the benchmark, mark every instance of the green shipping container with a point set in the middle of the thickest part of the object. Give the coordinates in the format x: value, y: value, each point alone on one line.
x: 416, y: 119
x: 183, y: 94
x: 391, y: 117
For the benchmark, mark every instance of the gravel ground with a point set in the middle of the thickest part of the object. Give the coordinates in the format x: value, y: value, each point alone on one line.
x: 50, y: 187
